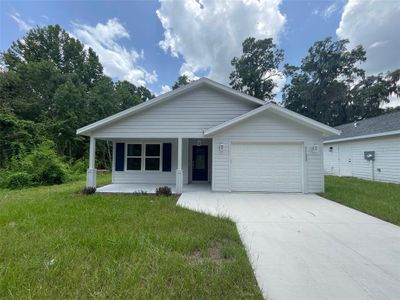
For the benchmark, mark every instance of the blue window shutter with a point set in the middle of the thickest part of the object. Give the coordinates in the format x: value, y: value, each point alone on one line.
x: 167, y: 157
x: 119, y: 156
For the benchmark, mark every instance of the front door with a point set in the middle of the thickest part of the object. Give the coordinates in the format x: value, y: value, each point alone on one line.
x: 200, y: 163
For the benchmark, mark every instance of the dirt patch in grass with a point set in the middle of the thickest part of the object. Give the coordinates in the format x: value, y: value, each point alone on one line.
x: 214, y: 253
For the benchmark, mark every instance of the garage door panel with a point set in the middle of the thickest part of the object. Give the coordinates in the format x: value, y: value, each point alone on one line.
x: 266, y: 167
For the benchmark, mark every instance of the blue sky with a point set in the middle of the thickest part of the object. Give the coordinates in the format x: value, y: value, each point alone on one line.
x: 151, y: 43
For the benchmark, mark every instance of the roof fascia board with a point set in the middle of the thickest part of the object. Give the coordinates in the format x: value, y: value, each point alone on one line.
x: 306, y: 121
x: 361, y: 137
x: 280, y: 110
x: 233, y: 121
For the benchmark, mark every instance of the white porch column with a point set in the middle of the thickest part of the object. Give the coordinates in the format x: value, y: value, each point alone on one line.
x: 91, y: 172
x: 179, y: 172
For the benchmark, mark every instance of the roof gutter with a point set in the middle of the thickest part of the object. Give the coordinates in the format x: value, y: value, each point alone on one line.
x: 361, y: 137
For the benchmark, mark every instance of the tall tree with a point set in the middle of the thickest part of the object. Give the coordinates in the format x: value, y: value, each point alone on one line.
x: 181, y: 81
x: 128, y: 94
x: 52, y: 79
x: 258, y: 66
x: 44, y: 59
x: 53, y: 44
x: 331, y: 87
x: 368, y: 95
x: 320, y: 87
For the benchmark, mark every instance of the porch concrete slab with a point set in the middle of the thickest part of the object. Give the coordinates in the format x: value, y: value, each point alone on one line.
x: 302, y: 246
x: 129, y: 188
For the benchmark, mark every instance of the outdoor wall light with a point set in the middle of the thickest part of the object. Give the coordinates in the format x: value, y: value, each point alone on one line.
x: 221, y: 147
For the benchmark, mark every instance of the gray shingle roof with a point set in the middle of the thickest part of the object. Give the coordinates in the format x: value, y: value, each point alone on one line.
x: 375, y: 125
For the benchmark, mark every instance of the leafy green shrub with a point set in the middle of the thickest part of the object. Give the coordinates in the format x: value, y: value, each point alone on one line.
x: 52, y: 173
x: 79, y: 166
x: 44, y: 164
x: 163, y: 191
x: 19, y: 180
x: 4, y: 174
x: 17, y: 136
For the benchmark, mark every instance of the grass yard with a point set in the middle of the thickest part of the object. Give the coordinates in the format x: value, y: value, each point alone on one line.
x: 378, y: 199
x: 56, y: 243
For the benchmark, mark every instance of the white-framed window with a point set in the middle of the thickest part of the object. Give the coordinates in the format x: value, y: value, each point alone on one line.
x: 134, y: 155
x: 145, y: 157
x: 152, y: 157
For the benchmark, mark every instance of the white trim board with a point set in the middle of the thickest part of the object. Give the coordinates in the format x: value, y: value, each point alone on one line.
x: 360, y: 137
x: 143, y: 156
x: 279, y: 110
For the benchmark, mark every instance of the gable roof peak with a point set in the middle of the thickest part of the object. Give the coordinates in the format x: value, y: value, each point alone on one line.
x: 164, y: 97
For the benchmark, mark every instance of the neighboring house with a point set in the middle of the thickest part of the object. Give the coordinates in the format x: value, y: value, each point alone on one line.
x: 207, y: 132
x: 368, y: 149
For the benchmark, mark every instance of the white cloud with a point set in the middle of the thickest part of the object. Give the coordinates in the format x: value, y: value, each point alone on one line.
x: 207, y: 34
x: 327, y: 12
x: 118, y: 62
x: 165, y: 89
x: 22, y: 25
x: 394, y: 102
x: 375, y: 25
x: 280, y: 81
x: 378, y: 44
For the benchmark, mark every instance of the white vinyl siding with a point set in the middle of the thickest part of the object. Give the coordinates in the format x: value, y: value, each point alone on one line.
x: 269, y: 127
x: 266, y: 167
x: 331, y: 157
x: 187, y: 116
x: 386, y: 166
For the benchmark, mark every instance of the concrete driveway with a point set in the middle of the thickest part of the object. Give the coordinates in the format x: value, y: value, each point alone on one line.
x: 307, y: 247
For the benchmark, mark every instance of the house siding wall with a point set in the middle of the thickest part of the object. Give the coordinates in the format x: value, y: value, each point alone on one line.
x: 331, y: 159
x: 268, y: 127
x: 187, y: 115
x: 387, y: 158
x: 154, y: 176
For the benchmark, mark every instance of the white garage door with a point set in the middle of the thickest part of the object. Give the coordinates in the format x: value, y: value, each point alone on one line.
x: 267, y: 167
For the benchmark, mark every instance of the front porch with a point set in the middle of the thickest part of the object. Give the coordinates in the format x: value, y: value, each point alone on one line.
x: 150, y: 188
x: 143, y: 164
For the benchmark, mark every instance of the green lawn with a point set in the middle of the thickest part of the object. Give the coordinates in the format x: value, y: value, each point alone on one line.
x: 378, y: 199
x: 56, y: 243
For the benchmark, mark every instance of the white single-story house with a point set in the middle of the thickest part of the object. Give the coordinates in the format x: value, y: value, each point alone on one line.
x: 367, y: 149
x: 207, y: 132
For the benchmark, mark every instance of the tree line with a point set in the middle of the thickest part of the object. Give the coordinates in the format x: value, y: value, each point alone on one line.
x: 51, y: 84
x: 329, y: 85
